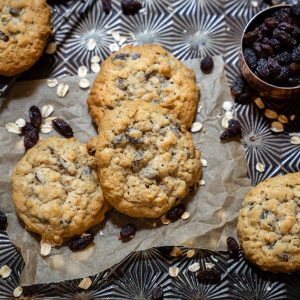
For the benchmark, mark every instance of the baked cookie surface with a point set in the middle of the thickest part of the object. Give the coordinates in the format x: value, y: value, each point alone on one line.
x: 56, y: 190
x: 148, y: 73
x: 24, y: 29
x: 269, y: 224
x: 147, y: 161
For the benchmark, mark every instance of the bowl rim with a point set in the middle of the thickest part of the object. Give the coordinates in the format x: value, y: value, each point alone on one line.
x: 242, y: 47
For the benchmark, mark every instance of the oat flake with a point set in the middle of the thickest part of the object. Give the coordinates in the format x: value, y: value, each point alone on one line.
x: 51, y: 48
x: 45, y: 249
x: 20, y: 123
x: 194, y: 267
x: 277, y: 127
x: 5, y: 271
x: 122, y: 41
x: 176, y: 252
x: 164, y: 220
x: 209, y: 265
x: 91, y: 44
x: 62, y: 90
x: 116, y: 35
x: 13, y: 128
x: 52, y: 83
x: 295, y: 140
x: 84, y: 83
x: 260, y: 167
x: 292, y: 117
x: 228, y: 105
x: 202, y: 182
x: 203, y: 162
x: 191, y: 253
x: 82, y: 71
x: 271, y: 114
x: 95, y: 59
x: 46, y: 128
x: 47, y: 110
x: 173, y: 271
x: 196, y: 126
x: 18, y: 291
x: 114, y: 47
x: 185, y: 215
x: 95, y: 67
x: 283, y: 119
x: 85, y: 283
x: 259, y: 103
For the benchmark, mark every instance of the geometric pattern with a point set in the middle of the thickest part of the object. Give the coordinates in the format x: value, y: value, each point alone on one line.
x: 189, y: 29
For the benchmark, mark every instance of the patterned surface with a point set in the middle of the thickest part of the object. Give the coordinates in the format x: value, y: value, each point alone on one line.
x: 188, y: 28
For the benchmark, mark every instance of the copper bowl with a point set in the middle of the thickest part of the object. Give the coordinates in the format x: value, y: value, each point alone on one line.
x: 264, y: 88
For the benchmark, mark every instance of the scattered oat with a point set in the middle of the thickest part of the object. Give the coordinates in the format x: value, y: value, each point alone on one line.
x: 45, y: 249
x: 123, y: 39
x: 176, y: 252
x: 260, y: 167
x: 164, y: 220
x: 52, y: 83
x: 116, y: 35
x: 295, y: 140
x: 173, y: 271
x: 196, y: 126
x: 84, y: 83
x: 254, y: 3
x: 114, y: 47
x: 292, y: 117
x: 199, y: 109
x: 194, y: 267
x: 47, y: 110
x: 202, y: 182
x: 209, y: 265
x: 185, y: 215
x: 5, y: 271
x: 203, y: 162
x: 18, y: 291
x: 227, y: 105
x: 46, y: 128
x: 95, y: 67
x: 277, y: 127
x: 259, y: 103
x: 20, y: 123
x: 49, y: 120
x: 271, y: 114
x: 85, y: 283
x: 13, y: 128
x: 95, y: 59
x: 191, y: 253
x: 91, y: 44
x: 225, y: 121
x: 82, y: 71
x: 62, y: 90
x: 154, y: 224
x: 51, y: 48
x: 283, y: 119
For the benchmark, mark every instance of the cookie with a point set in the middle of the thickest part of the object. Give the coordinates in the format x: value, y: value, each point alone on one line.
x: 56, y: 190
x: 24, y: 30
x: 148, y: 73
x: 147, y: 162
x: 269, y: 224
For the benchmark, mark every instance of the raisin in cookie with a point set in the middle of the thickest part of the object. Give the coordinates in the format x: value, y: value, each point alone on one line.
x: 147, y: 162
x: 24, y: 30
x: 147, y: 73
x: 269, y: 224
x: 56, y: 190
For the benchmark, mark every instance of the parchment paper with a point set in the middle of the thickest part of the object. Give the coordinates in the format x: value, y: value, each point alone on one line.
x: 213, y: 209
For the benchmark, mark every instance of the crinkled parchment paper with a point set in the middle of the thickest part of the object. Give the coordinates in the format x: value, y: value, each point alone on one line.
x: 213, y: 209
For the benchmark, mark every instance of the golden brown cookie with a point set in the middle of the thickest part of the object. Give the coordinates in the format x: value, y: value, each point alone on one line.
x: 148, y: 73
x: 56, y: 190
x: 24, y: 30
x: 269, y: 224
x: 146, y: 159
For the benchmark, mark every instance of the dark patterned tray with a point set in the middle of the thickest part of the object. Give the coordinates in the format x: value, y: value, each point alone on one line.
x: 188, y: 28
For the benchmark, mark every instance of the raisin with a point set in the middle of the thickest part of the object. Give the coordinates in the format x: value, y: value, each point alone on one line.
x: 35, y: 116
x: 175, y: 213
x: 233, y: 247
x: 284, y: 38
x: 295, y: 12
x: 209, y: 276
x: 267, y: 49
x: 257, y: 49
x: 264, y: 29
x: 14, y: 11
x: 121, y: 84
x: 250, y: 37
x: 283, y: 75
x: 63, y: 127
x: 273, y: 65
x: 130, y: 7
x: 3, y: 37
x: 286, y: 26
x: 135, y: 56
x: 262, y: 68
x: 31, y: 135
x: 276, y: 45
x: 233, y: 130
x: 284, y: 257
x: 284, y: 57
x: 296, y: 32
x: 207, y: 64
x: 81, y: 242
x: 121, y: 56
x: 296, y: 55
x: 294, y: 69
x: 3, y: 221
x: 244, y: 98
x: 271, y: 23
x: 106, y: 5
x: 250, y: 58
x: 157, y: 293
x: 283, y: 15
x: 127, y: 232
x: 237, y: 87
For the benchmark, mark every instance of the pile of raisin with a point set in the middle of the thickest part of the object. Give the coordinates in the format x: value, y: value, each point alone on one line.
x: 272, y: 50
